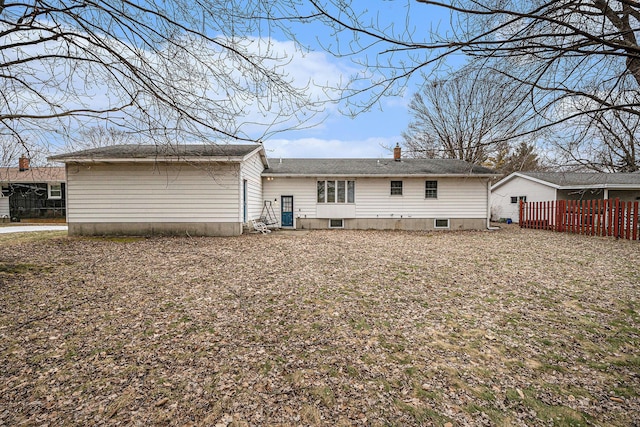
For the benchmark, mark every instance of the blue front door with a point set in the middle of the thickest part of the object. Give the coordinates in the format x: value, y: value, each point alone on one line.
x: 286, y: 211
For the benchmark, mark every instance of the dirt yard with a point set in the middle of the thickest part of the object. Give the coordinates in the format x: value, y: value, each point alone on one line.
x: 514, y: 327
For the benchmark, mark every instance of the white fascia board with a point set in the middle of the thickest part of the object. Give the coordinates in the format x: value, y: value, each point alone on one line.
x: 306, y: 175
x: 171, y: 159
x: 263, y: 156
x: 520, y: 175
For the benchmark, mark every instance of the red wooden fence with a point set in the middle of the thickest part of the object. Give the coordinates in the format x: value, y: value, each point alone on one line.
x: 608, y: 217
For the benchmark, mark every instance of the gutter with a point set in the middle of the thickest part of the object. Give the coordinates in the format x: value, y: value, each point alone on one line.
x: 168, y: 159
x: 381, y: 175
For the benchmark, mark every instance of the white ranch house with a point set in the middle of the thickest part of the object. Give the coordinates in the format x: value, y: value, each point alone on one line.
x: 219, y: 189
x: 552, y: 186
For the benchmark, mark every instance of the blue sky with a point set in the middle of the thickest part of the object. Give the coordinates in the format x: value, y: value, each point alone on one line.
x: 333, y: 134
x: 367, y: 134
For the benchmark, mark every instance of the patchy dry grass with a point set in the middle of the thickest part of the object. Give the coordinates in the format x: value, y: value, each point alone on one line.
x: 515, y: 327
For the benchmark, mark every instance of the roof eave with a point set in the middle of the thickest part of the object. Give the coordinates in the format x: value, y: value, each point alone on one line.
x: 524, y: 176
x: 599, y: 186
x: 364, y: 175
x: 165, y: 159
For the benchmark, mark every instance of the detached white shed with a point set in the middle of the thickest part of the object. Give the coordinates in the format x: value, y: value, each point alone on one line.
x: 146, y: 189
x: 551, y: 186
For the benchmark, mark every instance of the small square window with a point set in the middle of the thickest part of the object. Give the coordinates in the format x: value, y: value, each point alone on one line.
x: 396, y: 188
x: 336, y: 223
x: 516, y: 199
x: 441, y: 223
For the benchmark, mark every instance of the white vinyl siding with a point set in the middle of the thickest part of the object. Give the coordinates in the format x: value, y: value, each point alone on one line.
x: 303, y: 190
x: 154, y: 192
x: 501, y: 206
x: 251, y: 171
x: 457, y: 198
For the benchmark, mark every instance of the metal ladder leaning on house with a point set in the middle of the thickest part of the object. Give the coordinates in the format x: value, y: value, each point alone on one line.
x: 268, y: 216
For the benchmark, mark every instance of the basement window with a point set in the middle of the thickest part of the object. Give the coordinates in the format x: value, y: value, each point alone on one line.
x: 441, y: 223
x: 336, y: 223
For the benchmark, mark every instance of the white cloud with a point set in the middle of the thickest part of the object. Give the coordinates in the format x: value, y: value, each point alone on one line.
x: 373, y: 147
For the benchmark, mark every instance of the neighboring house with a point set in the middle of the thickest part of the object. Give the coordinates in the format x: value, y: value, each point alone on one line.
x: 550, y: 186
x: 217, y: 189
x: 148, y: 189
x: 30, y: 193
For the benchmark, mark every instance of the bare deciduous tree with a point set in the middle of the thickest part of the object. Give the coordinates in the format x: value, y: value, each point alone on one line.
x: 566, y: 52
x: 469, y: 116
x: 604, y: 141
x: 170, y: 71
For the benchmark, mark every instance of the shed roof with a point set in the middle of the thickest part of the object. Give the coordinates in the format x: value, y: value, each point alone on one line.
x: 135, y: 152
x: 569, y: 180
x: 374, y: 167
x: 32, y: 175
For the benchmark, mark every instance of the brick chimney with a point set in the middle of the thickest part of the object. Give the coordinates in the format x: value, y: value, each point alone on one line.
x: 397, y: 153
x: 23, y: 163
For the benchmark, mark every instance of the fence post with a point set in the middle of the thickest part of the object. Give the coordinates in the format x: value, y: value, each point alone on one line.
x: 627, y: 232
x: 635, y: 223
x: 599, y: 217
x: 610, y: 222
x: 616, y: 224
x: 520, y: 213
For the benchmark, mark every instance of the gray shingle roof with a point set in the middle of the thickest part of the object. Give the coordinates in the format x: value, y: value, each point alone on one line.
x: 369, y: 167
x: 33, y: 175
x: 567, y: 179
x: 129, y: 151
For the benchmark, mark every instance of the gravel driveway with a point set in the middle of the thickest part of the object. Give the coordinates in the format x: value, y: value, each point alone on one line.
x: 514, y: 327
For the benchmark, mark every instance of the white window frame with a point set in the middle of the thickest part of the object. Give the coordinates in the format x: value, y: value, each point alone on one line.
x: 518, y: 199
x: 426, y: 189
x: 391, y: 187
x: 50, y: 194
x: 324, y: 184
x: 336, y: 219
x: 435, y: 223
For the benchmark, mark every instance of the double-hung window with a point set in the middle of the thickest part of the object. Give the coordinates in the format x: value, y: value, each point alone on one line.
x: 55, y: 191
x: 431, y: 190
x: 396, y: 188
x: 338, y: 191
